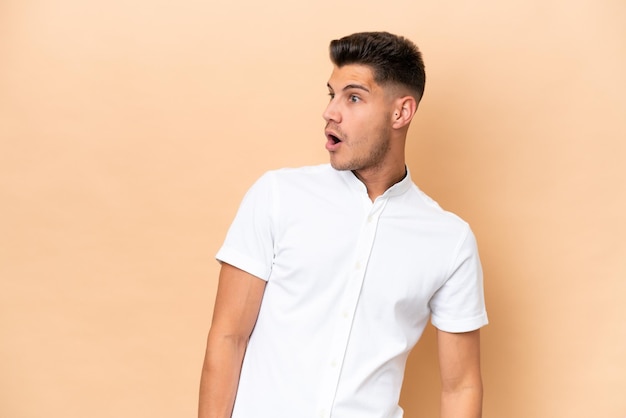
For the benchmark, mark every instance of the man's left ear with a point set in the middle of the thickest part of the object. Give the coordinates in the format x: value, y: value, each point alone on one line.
x: 404, y: 111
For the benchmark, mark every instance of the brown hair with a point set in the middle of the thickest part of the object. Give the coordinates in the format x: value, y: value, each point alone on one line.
x: 393, y: 59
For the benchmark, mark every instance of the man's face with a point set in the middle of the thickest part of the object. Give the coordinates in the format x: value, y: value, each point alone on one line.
x: 358, y: 120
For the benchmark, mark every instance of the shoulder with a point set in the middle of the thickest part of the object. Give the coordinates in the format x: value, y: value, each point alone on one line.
x: 302, y: 173
x: 438, y: 231
x: 426, y: 208
x: 306, y: 178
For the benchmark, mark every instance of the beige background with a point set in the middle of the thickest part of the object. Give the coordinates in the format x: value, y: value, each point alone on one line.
x: 129, y: 131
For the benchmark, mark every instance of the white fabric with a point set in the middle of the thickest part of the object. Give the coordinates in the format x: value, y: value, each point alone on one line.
x: 350, y: 287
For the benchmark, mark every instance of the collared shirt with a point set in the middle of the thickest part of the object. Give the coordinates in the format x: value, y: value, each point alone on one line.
x: 351, y: 284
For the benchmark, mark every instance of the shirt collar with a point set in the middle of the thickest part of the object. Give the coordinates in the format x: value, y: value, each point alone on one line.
x: 400, y: 187
x: 395, y: 190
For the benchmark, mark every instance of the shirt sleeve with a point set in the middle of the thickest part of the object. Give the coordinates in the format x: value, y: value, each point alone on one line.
x: 459, y: 304
x: 249, y: 242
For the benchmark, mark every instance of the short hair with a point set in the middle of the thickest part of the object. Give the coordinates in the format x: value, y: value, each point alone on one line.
x: 393, y: 59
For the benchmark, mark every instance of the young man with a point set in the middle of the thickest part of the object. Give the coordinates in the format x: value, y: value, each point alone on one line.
x: 330, y: 273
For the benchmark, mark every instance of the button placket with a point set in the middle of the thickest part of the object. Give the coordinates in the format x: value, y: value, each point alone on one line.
x: 339, y: 343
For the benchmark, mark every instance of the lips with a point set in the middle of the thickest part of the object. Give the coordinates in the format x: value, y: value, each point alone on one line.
x: 333, y: 140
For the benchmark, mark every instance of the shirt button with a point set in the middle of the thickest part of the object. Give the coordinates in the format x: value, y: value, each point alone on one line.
x: 370, y: 219
x: 357, y: 265
x: 333, y: 364
x: 345, y: 314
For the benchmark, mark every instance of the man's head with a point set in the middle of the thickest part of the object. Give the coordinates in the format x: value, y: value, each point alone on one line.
x: 375, y: 86
x: 394, y: 60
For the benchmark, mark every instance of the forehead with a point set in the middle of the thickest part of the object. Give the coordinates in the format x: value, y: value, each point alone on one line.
x: 352, y: 74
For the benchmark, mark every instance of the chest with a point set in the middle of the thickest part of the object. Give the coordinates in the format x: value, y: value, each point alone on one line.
x: 388, y: 257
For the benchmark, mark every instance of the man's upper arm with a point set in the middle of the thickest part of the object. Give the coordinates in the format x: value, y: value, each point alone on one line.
x: 459, y: 359
x: 459, y: 304
x: 237, y: 303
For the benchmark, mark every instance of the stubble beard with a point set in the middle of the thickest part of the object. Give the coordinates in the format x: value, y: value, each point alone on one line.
x: 373, y: 159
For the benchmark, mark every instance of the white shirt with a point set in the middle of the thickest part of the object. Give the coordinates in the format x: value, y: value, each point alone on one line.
x: 351, y: 285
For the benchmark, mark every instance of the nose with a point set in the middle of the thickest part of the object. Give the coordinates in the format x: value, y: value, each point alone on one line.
x: 332, y: 113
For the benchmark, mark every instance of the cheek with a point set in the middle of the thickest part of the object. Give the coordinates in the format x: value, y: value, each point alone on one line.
x: 363, y: 127
x: 364, y: 124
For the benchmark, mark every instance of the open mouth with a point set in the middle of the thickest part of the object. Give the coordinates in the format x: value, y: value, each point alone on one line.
x: 332, y: 140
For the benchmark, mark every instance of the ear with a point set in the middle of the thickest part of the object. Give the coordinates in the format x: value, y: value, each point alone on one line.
x: 404, y: 110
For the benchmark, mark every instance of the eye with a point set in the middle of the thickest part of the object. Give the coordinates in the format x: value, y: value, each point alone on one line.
x: 331, y: 95
x: 354, y: 98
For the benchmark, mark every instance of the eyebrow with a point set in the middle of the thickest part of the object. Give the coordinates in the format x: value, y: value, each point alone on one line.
x: 351, y: 86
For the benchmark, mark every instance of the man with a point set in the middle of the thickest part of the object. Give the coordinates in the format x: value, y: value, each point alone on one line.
x: 330, y: 273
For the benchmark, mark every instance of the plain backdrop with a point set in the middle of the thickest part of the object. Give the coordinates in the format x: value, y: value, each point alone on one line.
x: 130, y: 130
